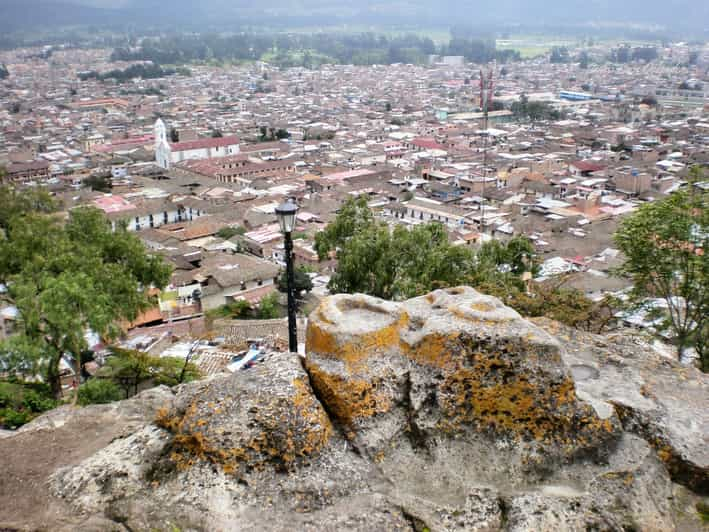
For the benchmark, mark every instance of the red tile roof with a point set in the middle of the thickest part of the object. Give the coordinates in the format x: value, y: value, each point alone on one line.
x: 588, y: 166
x: 205, y: 143
x: 427, y: 143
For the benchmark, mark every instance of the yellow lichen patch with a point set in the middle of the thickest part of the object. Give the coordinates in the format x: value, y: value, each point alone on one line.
x: 354, y: 352
x: 348, y: 399
x: 283, y: 430
x: 491, y: 394
x: 433, y: 350
x: 318, y: 428
x: 481, y: 306
x: 665, y: 453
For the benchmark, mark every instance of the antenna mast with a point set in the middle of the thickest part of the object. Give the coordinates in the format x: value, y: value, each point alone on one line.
x: 486, y: 95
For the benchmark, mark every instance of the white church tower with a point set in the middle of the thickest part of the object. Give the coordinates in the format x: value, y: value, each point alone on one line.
x: 162, y: 147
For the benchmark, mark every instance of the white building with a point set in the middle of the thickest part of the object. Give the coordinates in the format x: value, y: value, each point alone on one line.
x: 167, y: 153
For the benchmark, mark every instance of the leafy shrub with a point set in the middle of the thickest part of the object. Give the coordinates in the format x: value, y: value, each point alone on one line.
x: 35, y: 402
x: 98, y: 391
x: 228, y: 232
x: 13, y: 419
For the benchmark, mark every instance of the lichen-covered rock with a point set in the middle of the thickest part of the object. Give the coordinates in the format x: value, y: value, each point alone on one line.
x: 665, y: 403
x: 443, y: 413
x: 454, y: 362
x: 268, y: 416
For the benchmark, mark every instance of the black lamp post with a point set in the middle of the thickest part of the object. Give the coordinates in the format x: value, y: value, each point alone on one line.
x: 286, y: 217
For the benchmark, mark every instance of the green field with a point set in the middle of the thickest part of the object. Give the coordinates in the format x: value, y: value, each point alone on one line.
x: 531, y: 46
x: 437, y: 35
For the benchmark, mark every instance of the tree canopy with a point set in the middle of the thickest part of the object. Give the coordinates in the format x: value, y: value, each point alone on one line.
x: 666, y: 245
x: 129, y: 370
x: 303, y: 283
x: 402, y: 262
x: 67, y: 277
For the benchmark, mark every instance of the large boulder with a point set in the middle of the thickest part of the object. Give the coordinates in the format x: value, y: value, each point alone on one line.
x: 454, y: 364
x: 268, y: 416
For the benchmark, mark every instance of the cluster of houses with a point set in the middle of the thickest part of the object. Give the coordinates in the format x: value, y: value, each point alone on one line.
x: 196, y: 168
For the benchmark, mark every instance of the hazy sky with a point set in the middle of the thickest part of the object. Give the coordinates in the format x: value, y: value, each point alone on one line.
x: 668, y: 14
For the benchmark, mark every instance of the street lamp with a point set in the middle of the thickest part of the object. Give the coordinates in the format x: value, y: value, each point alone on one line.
x: 286, y: 218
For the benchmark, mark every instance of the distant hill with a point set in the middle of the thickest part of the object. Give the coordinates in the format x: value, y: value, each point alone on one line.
x: 30, y: 14
x: 670, y: 14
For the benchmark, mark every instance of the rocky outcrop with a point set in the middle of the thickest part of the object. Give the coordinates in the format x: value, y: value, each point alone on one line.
x: 452, y: 364
x: 270, y: 418
x: 665, y: 403
x: 444, y: 413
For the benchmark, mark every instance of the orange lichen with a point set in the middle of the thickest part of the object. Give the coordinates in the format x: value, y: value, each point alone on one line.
x: 307, y: 431
x: 493, y: 394
x: 319, y: 428
x: 349, y: 399
x: 482, y: 306
x: 433, y: 350
x: 354, y: 352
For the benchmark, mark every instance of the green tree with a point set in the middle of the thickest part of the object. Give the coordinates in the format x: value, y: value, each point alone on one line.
x: 353, y: 217
x: 131, y: 369
x: 666, y: 245
x: 20, y: 402
x: 172, y: 371
x: 516, y: 256
x: 128, y: 369
x: 303, y: 283
x: 93, y: 278
x: 401, y: 263
x: 216, y: 134
x: 98, y: 391
x: 534, y: 111
x: 174, y: 135
x: 98, y: 183
x: 15, y: 203
x: 268, y: 307
x: 237, y: 310
x: 263, y: 134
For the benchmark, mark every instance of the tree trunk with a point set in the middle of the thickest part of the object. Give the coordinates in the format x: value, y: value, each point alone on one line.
x: 53, y: 378
x: 681, y: 342
x: 77, y: 379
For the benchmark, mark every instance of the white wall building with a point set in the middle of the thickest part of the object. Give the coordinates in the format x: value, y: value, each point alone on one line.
x: 167, y: 153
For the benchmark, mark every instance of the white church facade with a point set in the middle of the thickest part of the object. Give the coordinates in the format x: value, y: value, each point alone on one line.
x: 167, y: 153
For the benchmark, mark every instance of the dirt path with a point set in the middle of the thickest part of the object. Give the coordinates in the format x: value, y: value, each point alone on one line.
x: 30, y: 457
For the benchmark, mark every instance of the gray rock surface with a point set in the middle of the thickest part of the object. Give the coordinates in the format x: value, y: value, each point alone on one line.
x: 664, y: 402
x: 443, y: 413
x: 453, y: 363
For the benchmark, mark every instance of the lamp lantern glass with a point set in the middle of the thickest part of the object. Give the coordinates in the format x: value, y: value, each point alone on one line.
x: 286, y: 216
